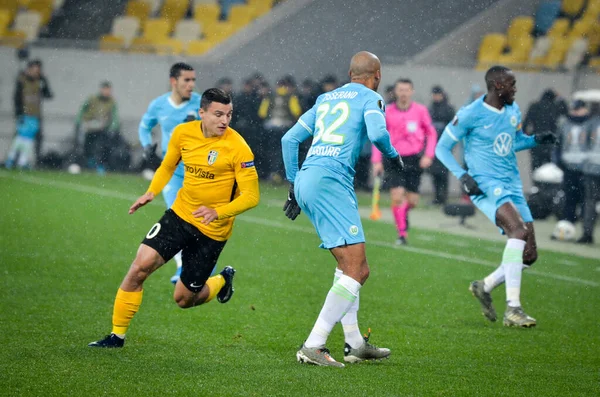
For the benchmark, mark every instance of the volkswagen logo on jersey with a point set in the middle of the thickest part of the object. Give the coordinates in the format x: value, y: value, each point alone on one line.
x: 503, y: 144
x: 212, y: 157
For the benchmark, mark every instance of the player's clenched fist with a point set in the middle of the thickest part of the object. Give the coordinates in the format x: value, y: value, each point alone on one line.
x: 470, y: 186
x: 291, y: 207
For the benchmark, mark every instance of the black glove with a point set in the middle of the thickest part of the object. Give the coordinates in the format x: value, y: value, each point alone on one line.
x: 396, y: 165
x: 291, y: 207
x: 545, y: 137
x: 469, y: 186
x: 149, y: 152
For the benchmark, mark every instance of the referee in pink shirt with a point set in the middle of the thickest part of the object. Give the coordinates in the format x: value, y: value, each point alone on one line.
x: 414, y: 137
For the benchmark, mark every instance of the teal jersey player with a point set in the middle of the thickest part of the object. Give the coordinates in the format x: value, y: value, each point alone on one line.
x: 339, y: 124
x: 490, y: 129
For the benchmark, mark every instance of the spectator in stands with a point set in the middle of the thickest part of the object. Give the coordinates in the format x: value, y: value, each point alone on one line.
x: 329, y: 83
x: 542, y: 117
x: 591, y: 179
x: 96, y: 124
x: 279, y: 112
x: 309, y: 91
x: 414, y: 137
x: 476, y: 92
x: 246, y: 121
x: 226, y: 84
x: 571, y: 156
x: 30, y: 89
x: 388, y: 95
x: 441, y: 114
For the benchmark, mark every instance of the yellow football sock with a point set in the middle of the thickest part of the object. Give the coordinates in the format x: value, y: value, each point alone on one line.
x: 126, y: 305
x: 214, y: 285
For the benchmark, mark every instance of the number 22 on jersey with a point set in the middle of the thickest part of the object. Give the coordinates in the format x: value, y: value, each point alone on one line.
x: 327, y: 133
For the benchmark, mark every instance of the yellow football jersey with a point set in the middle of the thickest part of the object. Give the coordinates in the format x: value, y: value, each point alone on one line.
x: 219, y: 173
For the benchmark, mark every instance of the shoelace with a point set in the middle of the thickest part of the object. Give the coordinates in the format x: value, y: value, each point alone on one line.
x: 366, y: 338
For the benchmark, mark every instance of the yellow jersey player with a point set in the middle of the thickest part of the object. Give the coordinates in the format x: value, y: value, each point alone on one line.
x: 220, y: 182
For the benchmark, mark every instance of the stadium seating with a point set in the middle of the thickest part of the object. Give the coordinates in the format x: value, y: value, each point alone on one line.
x: 261, y: 7
x: 155, y: 30
x: 490, y: 49
x: 192, y: 36
x: 5, y: 19
x: 44, y: 7
x: 207, y: 13
x: 218, y: 31
x: 124, y: 29
x: 572, y: 8
x: 519, y: 27
x: 25, y: 29
x: 559, y: 28
x: 197, y: 2
x: 111, y: 43
x: 138, y: 9
x: 154, y: 5
x: 198, y: 47
x: 168, y: 46
x: 519, y: 51
x: 545, y: 15
x: 556, y: 54
x: 540, y: 48
x: 11, y: 7
x: 575, y: 53
x: 173, y: 11
x: 187, y: 30
x: 592, y: 10
x: 241, y: 14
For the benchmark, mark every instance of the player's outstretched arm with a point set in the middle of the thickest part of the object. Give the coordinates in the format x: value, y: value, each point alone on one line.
x: 142, y: 201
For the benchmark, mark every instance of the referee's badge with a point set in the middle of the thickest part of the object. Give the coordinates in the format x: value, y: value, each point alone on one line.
x: 212, y: 157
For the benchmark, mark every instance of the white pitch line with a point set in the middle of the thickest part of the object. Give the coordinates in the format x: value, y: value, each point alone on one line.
x: 286, y: 226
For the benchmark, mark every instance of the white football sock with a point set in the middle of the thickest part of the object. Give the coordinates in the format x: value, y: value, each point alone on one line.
x: 349, y: 322
x: 177, y: 259
x: 512, y: 260
x: 494, y: 279
x: 340, y: 298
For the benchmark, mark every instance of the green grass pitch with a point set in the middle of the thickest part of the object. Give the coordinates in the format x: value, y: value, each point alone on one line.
x: 66, y: 242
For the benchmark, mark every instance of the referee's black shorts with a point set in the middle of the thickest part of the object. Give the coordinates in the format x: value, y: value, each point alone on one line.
x: 409, y: 179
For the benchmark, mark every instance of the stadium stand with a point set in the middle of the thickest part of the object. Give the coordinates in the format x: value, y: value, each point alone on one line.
x: 206, y: 28
x: 568, y: 34
x: 124, y: 29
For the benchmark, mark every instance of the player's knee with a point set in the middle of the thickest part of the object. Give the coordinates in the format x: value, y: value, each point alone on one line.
x: 519, y: 232
x: 183, y: 302
x: 138, y: 272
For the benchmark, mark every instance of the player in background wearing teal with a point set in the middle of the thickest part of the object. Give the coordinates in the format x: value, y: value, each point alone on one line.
x: 490, y: 129
x: 339, y: 124
x: 169, y: 110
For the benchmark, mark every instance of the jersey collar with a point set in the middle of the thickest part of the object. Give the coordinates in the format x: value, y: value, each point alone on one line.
x: 182, y: 104
x: 493, y: 109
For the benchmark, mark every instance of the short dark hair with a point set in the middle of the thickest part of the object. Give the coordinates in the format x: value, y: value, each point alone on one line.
x: 34, y: 62
x: 493, y: 73
x: 176, y: 69
x: 404, y: 81
x: 214, y: 95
